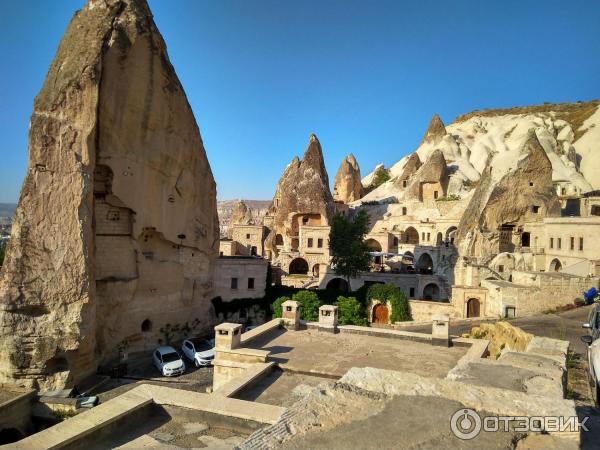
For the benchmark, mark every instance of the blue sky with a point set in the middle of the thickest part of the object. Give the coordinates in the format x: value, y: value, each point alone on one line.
x: 365, y: 76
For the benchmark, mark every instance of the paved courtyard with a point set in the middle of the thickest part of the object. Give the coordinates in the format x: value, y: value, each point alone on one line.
x: 310, y: 351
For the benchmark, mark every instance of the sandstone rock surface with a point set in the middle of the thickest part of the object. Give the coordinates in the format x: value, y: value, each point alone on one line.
x: 302, y: 189
x: 435, y: 131
x: 525, y: 192
x: 242, y: 215
x: 347, y: 185
x: 116, y: 230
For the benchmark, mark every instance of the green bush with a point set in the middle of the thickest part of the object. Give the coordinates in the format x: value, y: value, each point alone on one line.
x: 309, y: 305
x: 387, y: 293
x: 380, y: 176
x: 277, y: 308
x: 351, y: 312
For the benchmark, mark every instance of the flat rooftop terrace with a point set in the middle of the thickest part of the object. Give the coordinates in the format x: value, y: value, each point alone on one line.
x: 332, y: 355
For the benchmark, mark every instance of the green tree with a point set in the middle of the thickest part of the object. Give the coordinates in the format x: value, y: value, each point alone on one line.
x: 349, y: 251
x: 309, y: 305
x: 351, y: 312
x: 380, y: 176
x: 277, y: 308
x: 2, y: 252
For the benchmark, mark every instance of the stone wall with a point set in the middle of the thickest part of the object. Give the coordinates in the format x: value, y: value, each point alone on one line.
x: 535, y: 292
x: 423, y: 310
x: 243, y: 269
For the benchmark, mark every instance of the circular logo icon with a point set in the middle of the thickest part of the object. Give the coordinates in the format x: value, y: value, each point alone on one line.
x: 465, y: 424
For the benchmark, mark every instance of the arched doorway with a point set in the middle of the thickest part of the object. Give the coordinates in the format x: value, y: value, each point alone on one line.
x: 473, y: 307
x: 439, y: 240
x: 253, y: 251
x: 425, y: 264
x: 411, y: 236
x: 337, y: 284
x: 431, y: 292
x: 146, y: 326
x: 381, y: 314
x: 555, y: 265
x: 450, y: 233
x: 525, y: 239
x: 315, y: 270
x: 374, y: 246
x: 298, y: 266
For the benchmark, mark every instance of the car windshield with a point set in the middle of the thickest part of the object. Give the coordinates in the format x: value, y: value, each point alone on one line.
x: 200, y: 344
x: 170, y: 357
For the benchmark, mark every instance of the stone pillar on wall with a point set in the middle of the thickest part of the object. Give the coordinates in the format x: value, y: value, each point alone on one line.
x: 227, y: 336
x: 290, y: 312
x: 440, y: 330
x: 328, y: 318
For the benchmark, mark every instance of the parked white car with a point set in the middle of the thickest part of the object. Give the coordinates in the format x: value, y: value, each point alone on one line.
x: 168, y: 361
x: 201, y: 352
x: 593, y: 351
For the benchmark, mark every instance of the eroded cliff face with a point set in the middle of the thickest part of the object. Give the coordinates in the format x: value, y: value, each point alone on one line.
x: 116, y: 231
x: 347, y: 186
x: 302, y: 189
x: 524, y: 193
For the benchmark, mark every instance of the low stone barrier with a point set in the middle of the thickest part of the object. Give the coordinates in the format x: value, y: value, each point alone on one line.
x: 252, y: 374
x: 260, y: 330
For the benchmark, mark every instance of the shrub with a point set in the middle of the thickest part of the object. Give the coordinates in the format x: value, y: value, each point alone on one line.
x: 397, y: 299
x: 309, y: 305
x: 277, y: 308
x: 351, y: 312
x: 380, y: 176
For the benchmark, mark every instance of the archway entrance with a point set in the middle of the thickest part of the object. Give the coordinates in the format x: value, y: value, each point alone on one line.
x: 315, y: 270
x: 381, y: 314
x: 425, y: 264
x: 374, y: 246
x: 450, y: 233
x: 337, y: 284
x: 473, y: 307
x: 431, y: 292
x: 298, y: 266
x: 525, y: 239
x: 439, y: 240
x: 555, y: 265
x: 411, y: 236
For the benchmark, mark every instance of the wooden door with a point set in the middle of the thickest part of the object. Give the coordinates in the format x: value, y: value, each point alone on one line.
x: 473, y: 308
x: 380, y: 314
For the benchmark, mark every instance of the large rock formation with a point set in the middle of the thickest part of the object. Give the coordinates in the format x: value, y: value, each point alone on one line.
x: 302, y: 189
x: 524, y: 193
x: 431, y: 176
x: 116, y: 230
x: 241, y: 215
x: 347, y: 186
x: 435, y: 131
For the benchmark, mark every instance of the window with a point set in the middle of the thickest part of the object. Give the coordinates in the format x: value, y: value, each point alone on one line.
x: 535, y: 209
x: 412, y: 292
x: 435, y: 194
x: 304, y: 220
x: 580, y: 244
x: 247, y: 236
x: 404, y: 183
x: 310, y: 242
x: 551, y: 242
x: 404, y: 210
x: 234, y: 282
x: 320, y: 243
x: 572, y: 243
x: 559, y: 243
x: 146, y: 326
x: 422, y: 235
x: 531, y: 183
x: 500, y: 268
x: 395, y: 241
x: 250, y: 283
x: 220, y: 253
x: 428, y: 237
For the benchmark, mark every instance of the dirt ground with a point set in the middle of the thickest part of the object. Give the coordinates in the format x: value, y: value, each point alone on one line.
x: 312, y: 351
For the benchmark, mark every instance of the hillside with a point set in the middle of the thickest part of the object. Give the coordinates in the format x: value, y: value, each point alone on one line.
x: 258, y: 209
x: 568, y: 133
